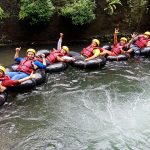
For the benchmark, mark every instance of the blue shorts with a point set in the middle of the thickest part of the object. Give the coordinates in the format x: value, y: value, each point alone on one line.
x: 17, y: 75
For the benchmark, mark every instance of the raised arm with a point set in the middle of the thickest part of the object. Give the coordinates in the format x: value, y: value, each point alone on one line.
x: 17, y: 52
x: 59, y: 44
x: 44, y: 59
x: 115, y: 36
x: 133, y: 37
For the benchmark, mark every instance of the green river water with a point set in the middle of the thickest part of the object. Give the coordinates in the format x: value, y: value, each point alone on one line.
x: 103, y: 109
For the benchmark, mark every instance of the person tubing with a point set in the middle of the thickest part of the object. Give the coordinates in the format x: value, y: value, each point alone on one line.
x: 31, y: 50
x: 3, y: 77
x: 118, y: 47
x: 53, y: 55
x: 27, y: 65
x: 88, y: 51
x: 142, y: 41
x: 6, y: 80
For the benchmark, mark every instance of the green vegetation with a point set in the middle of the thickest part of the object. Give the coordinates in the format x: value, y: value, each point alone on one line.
x: 111, y: 6
x: 36, y: 11
x: 2, y: 14
x: 80, y: 11
x: 137, y: 9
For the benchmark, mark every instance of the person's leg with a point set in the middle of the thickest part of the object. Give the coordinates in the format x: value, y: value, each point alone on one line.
x: 79, y: 57
x: 107, y: 52
x: 136, y: 51
x: 11, y: 74
x: 20, y: 75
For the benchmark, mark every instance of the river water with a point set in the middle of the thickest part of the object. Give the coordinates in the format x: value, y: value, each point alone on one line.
x: 80, y: 109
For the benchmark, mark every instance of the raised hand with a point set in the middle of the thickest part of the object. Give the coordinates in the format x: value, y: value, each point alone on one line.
x: 61, y: 35
x: 116, y: 30
x: 18, y: 49
x: 134, y: 35
x: 43, y: 55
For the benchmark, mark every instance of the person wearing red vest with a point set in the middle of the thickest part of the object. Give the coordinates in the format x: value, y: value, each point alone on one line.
x: 58, y: 55
x: 26, y: 65
x: 5, y: 80
x: 141, y: 41
x: 118, y: 47
x: 90, y: 52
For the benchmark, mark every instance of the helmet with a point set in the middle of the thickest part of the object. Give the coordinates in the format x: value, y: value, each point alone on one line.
x: 31, y: 50
x: 2, y: 68
x: 147, y: 33
x: 123, y: 39
x: 96, y: 41
x: 66, y: 48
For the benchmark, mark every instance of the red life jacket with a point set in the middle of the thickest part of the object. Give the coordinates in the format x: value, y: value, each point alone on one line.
x: 142, y: 42
x: 26, y: 66
x: 117, y: 48
x: 4, y: 78
x: 7, y: 82
x: 88, y: 51
x: 52, y: 57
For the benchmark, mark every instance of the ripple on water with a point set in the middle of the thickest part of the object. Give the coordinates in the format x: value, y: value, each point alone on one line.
x: 82, y: 110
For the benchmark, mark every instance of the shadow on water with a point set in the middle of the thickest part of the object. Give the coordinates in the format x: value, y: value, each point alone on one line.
x: 80, y: 109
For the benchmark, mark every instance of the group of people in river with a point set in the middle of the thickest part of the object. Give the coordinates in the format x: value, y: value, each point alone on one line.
x: 28, y: 65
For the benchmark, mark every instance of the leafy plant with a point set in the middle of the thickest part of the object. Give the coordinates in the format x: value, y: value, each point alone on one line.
x: 111, y: 6
x: 80, y: 11
x: 137, y: 9
x: 2, y: 14
x: 36, y: 11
